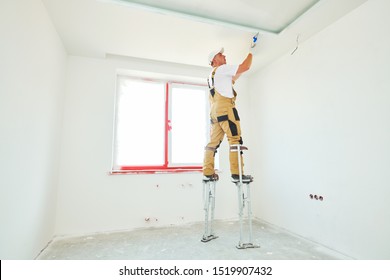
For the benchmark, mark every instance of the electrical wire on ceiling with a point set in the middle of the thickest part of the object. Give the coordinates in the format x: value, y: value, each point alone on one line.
x: 297, y: 44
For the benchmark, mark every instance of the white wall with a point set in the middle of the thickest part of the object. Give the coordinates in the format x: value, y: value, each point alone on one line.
x: 32, y: 72
x: 90, y: 200
x: 322, y: 124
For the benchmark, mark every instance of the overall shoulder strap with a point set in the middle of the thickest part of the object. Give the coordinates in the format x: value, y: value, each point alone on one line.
x: 212, y: 89
x: 212, y: 78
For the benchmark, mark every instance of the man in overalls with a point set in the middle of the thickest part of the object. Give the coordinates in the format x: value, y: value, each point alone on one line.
x: 223, y: 114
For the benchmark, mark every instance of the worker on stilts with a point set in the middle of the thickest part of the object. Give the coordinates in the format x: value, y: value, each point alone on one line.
x: 223, y: 113
x: 224, y: 120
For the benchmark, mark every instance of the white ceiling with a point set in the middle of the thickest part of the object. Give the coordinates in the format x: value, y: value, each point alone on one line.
x: 256, y: 15
x: 186, y: 31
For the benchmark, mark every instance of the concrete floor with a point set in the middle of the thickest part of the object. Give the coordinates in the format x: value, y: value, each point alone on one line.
x: 183, y: 243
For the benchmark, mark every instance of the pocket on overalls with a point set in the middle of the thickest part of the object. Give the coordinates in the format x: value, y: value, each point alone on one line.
x: 220, y: 115
x: 235, y: 113
x: 233, y: 120
x: 231, y: 116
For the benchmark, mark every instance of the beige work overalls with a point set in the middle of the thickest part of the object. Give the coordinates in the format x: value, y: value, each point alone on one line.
x: 224, y: 120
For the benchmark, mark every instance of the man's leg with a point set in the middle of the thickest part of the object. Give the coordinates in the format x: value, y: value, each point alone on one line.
x: 233, y: 158
x: 216, y: 137
x: 232, y: 129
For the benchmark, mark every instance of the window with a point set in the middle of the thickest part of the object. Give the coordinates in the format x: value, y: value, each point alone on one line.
x: 159, y: 126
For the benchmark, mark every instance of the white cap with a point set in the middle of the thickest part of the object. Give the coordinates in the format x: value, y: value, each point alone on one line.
x: 214, y: 53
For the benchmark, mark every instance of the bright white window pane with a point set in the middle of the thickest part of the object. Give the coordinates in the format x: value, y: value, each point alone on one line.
x: 188, y: 118
x: 140, y: 123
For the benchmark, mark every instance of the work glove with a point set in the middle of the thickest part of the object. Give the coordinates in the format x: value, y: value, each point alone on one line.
x: 254, y: 40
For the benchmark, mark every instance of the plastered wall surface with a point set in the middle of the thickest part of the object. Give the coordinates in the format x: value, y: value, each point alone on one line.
x: 321, y: 121
x: 32, y: 82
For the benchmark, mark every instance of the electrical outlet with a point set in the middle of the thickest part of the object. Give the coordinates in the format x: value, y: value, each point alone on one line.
x: 316, y: 197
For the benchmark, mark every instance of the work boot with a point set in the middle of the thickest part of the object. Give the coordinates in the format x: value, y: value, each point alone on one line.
x: 213, y: 177
x: 245, y: 178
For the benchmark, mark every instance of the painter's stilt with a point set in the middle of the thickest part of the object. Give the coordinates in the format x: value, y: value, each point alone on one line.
x: 242, y: 200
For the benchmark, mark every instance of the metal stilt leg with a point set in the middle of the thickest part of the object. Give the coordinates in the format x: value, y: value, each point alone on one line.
x: 241, y: 202
x: 209, y: 206
x: 242, y: 199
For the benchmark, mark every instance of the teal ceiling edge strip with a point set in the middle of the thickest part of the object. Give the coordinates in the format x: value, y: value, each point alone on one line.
x: 191, y: 16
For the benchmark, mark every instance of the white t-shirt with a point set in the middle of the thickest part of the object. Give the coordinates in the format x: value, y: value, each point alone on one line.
x: 223, y: 79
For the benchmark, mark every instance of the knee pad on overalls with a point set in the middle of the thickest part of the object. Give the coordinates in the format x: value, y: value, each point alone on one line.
x: 215, y: 150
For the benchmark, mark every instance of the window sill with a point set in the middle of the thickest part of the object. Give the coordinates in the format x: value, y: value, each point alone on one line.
x: 169, y: 170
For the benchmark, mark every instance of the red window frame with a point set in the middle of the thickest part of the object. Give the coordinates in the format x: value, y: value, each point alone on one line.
x: 165, y: 168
